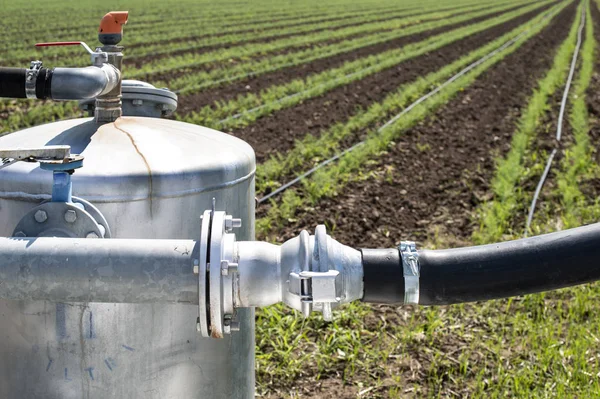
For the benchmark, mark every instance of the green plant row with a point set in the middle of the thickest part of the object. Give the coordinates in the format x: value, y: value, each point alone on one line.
x: 286, y: 95
x: 567, y: 206
x: 311, y: 150
x: 193, y: 60
x: 368, y: 23
x: 328, y: 181
x: 27, y: 113
x: 200, y: 80
x: 85, y: 14
x: 495, y: 216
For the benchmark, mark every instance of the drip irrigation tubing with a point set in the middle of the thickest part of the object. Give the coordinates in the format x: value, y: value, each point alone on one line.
x: 406, y: 110
x: 561, y: 115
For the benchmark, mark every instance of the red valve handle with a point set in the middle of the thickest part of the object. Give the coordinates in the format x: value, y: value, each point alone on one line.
x: 53, y: 44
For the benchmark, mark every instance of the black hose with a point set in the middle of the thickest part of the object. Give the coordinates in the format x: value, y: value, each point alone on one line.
x: 480, y: 273
x: 379, y: 265
x: 12, y: 83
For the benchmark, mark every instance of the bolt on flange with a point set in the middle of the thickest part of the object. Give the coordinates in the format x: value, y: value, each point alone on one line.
x: 41, y: 216
x: 70, y: 216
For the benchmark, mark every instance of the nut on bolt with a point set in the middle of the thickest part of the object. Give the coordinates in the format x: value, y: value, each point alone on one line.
x: 232, y: 223
x: 41, y: 216
x: 70, y: 216
x: 228, y: 268
x: 230, y: 325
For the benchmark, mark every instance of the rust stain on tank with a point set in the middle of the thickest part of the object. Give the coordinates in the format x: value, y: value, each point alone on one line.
x: 143, y: 159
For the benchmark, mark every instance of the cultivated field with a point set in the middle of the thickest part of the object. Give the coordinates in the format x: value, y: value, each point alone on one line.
x: 302, y: 82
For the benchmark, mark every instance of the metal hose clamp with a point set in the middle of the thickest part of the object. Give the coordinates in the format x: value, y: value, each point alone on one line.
x: 412, y: 271
x: 31, y: 78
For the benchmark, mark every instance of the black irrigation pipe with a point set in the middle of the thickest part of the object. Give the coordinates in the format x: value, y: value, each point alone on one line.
x: 404, y: 112
x: 561, y: 115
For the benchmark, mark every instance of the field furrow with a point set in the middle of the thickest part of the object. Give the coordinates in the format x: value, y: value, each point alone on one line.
x: 258, y: 82
x: 199, y: 71
x: 505, y: 214
x: 435, y: 174
x: 279, y: 131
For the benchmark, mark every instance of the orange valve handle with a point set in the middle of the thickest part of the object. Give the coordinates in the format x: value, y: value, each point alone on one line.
x: 111, y: 27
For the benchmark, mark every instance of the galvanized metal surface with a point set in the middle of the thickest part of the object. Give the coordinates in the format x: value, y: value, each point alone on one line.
x: 84, y: 270
x: 150, y: 178
x: 58, y: 152
x: 82, y: 83
x: 332, y: 272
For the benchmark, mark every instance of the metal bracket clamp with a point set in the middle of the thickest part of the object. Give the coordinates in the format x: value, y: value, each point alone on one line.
x: 316, y: 288
x: 412, y: 272
x: 316, y: 285
x: 31, y: 78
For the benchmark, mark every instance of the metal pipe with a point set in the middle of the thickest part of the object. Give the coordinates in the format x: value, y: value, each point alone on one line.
x: 88, y: 270
x: 84, y: 83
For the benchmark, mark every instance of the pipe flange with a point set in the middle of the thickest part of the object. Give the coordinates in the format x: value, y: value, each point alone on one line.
x: 96, y: 214
x: 59, y: 219
x: 217, y: 275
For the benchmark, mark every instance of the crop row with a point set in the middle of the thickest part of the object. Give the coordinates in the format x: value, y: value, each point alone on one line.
x: 148, y: 37
x: 330, y: 180
x: 298, y: 90
x: 385, y: 31
x: 496, y: 215
x: 547, y: 337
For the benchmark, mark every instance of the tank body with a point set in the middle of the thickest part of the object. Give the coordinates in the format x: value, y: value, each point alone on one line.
x: 151, y: 178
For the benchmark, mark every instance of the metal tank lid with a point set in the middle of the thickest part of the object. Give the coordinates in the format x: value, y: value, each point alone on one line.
x: 131, y: 159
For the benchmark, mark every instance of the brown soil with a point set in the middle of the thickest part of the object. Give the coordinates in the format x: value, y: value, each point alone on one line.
x: 257, y: 83
x: 436, y: 174
x: 279, y: 131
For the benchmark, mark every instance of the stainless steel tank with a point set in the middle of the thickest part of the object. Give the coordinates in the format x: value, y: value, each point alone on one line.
x: 151, y: 178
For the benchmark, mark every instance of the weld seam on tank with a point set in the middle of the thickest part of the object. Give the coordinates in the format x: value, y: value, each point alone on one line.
x: 109, y: 199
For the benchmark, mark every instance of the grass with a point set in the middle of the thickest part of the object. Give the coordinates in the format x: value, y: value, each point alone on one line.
x: 539, y: 346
